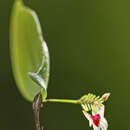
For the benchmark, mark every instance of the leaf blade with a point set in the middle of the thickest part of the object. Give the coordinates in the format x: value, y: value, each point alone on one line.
x: 29, y: 51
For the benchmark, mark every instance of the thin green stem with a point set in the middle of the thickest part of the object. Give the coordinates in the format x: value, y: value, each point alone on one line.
x: 62, y: 101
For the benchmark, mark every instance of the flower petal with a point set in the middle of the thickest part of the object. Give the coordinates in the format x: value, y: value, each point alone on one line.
x: 96, y: 128
x: 88, y: 116
x: 104, y: 124
x: 101, y: 111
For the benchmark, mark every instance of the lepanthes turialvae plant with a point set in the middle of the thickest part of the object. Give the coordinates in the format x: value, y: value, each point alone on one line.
x: 30, y: 63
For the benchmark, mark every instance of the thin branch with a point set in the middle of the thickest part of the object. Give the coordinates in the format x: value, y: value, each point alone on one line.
x: 37, y: 104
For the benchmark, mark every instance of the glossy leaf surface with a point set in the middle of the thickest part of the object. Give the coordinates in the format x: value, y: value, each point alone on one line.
x: 29, y: 53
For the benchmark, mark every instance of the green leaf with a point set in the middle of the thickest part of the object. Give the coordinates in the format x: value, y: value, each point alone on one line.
x: 29, y: 52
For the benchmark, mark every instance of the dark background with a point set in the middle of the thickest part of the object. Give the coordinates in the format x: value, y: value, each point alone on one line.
x: 89, y: 43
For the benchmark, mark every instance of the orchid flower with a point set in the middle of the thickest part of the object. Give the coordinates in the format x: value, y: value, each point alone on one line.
x: 97, y: 119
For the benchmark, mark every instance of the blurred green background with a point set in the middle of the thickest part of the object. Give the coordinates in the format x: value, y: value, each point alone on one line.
x: 89, y: 43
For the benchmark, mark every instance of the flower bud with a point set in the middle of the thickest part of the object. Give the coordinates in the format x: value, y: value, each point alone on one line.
x: 105, y: 96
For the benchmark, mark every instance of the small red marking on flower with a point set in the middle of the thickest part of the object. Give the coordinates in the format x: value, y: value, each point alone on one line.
x: 96, y: 119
